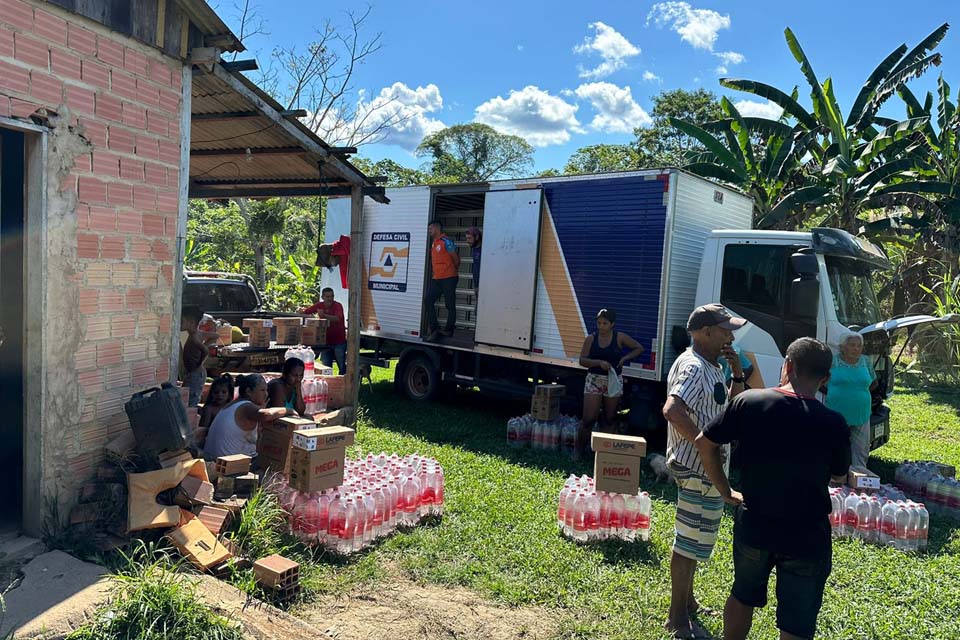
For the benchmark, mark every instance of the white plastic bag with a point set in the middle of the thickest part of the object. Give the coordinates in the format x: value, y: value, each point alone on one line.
x: 614, y: 386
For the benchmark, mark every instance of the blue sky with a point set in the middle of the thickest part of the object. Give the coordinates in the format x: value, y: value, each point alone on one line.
x: 568, y: 74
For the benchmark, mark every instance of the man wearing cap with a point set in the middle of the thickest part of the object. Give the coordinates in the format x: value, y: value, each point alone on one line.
x: 696, y: 393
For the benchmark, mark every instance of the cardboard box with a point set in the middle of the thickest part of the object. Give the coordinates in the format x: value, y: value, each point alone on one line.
x: 549, y: 391
x: 862, y: 478
x: 331, y: 418
x: 198, y: 545
x: 543, y: 408
x: 259, y: 323
x: 288, y: 335
x: 616, y: 467
x: 336, y: 391
x: 316, y: 470
x: 294, y: 321
x: 275, y: 442
x: 323, y: 438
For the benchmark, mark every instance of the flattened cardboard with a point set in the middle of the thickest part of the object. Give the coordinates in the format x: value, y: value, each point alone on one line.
x: 617, y: 473
x: 620, y: 445
x: 198, y: 545
x: 316, y: 470
x: 318, y: 438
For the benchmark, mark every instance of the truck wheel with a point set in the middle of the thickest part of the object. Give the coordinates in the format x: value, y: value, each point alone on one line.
x: 420, y: 380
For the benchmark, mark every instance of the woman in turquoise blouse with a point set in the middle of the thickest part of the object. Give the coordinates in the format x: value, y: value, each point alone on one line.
x: 848, y: 393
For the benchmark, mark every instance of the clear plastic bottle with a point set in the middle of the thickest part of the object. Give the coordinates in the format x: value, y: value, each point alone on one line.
x: 603, y: 531
x: 513, y: 432
x: 337, y: 522
x: 875, y: 513
x: 888, y: 524
x: 580, y: 517
x: 616, y: 515
x: 903, y: 524
x: 631, y: 517
x: 369, y: 507
x: 309, y: 358
x: 836, y: 513
x: 912, y: 527
x: 850, y: 515
x: 562, y: 505
x: 923, y: 527
x: 646, y: 515
x: 349, y: 531
x: 592, y: 516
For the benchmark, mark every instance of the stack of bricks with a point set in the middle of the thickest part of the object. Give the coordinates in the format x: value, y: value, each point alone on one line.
x: 279, y: 576
x: 116, y: 209
x: 288, y: 330
x: 233, y: 477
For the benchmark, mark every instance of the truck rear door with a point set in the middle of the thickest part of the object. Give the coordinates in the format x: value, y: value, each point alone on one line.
x: 508, y: 280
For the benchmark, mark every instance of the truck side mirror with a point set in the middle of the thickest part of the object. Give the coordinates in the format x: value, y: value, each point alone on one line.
x: 805, y: 264
x: 804, y: 298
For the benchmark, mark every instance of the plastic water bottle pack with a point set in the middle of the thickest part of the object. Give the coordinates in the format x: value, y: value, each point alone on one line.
x: 924, y: 481
x: 586, y: 515
x: 307, y: 355
x: 380, y: 494
x: 886, y: 519
x: 552, y: 435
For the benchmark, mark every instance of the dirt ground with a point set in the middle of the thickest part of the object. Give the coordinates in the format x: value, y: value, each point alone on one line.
x: 400, y: 609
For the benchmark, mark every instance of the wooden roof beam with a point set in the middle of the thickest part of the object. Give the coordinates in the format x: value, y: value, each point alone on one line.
x: 234, y: 116
x: 248, y: 151
x: 241, y: 191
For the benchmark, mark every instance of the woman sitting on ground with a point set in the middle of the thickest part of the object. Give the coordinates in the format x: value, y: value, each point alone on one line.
x: 602, y: 352
x: 287, y: 390
x: 236, y: 427
x: 219, y: 396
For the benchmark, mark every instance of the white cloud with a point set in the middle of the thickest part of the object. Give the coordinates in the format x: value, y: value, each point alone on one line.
x: 613, y: 48
x: 721, y: 70
x: 731, y: 57
x: 519, y: 47
x: 650, y: 76
x: 617, y: 111
x: 697, y: 27
x: 533, y: 114
x: 404, y: 111
x: 759, y: 109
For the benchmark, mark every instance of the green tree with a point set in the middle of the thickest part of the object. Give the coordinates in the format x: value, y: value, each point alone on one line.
x: 396, y: 174
x: 598, y: 158
x: 475, y: 153
x: 663, y: 145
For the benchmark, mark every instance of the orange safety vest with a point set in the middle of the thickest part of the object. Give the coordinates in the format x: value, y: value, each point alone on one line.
x: 441, y: 257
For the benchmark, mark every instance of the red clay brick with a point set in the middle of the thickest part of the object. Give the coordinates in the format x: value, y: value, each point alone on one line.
x: 134, y: 351
x: 134, y: 116
x: 98, y: 328
x: 80, y: 100
x: 106, y: 164
x: 155, y: 174
x: 136, y: 300
x: 149, y: 275
x: 89, y: 300
x: 131, y: 169
x: 81, y: 40
x: 22, y: 108
x: 108, y: 107
x: 34, y: 52
x: 111, y: 301
x: 124, y: 275
x: 82, y: 164
x: 120, y: 194
x: 157, y: 123
x: 97, y: 274
x: 123, y: 84
x: 163, y: 369
x: 88, y: 245
x: 18, y: 14
x: 112, y: 248
x: 109, y: 52
x: 148, y: 325
x: 103, y: 218
x: 95, y: 73
x: 162, y: 251
x: 134, y: 61
x: 144, y: 374
x: 159, y: 73
x: 170, y: 102
x: 50, y: 27
x: 65, y: 65
x: 14, y: 78
x: 174, y: 129
x: 152, y: 225
x: 86, y: 357
x: 46, y: 88
x: 168, y: 200
x: 91, y: 382
x: 140, y: 250
x: 6, y: 42
x: 130, y: 221
x: 109, y: 353
x: 144, y: 197
x: 95, y: 132
x: 122, y: 140
x: 148, y: 93
x: 147, y: 148
x: 92, y: 190
x: 83, y: 216
x: 166, y: 273
x: 170, y: 152
x: 165, y: 325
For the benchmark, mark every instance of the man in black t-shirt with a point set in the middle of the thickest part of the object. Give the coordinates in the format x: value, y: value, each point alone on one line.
x: 791, y: 446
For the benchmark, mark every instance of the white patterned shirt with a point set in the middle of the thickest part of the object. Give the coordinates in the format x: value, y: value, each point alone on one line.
x: 703, y: 389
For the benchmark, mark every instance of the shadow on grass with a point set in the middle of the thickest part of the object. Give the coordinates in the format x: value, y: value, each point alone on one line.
x: 628, y: 554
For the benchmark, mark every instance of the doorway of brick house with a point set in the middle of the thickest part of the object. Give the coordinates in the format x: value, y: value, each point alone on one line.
x: 12, y: 219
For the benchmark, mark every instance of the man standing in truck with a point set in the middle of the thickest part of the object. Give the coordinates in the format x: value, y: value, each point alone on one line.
x: 444, y: 265
x: 696, y: 393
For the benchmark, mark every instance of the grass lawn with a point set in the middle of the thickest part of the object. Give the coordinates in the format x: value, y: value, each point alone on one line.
x: 499, y: 537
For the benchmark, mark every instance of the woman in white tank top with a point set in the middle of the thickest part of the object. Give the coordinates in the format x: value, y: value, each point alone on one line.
x: 236, y: 427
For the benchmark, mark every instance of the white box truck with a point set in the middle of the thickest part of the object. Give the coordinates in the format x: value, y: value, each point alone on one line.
x: 650, y: 244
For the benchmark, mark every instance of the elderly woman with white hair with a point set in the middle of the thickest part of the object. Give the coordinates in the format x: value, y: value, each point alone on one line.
x: 848, y: 393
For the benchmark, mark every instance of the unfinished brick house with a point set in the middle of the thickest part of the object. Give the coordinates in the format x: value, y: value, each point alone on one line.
x: 96, y: 99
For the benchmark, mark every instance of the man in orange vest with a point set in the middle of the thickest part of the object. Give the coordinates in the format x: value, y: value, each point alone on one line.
x: 444, y: 263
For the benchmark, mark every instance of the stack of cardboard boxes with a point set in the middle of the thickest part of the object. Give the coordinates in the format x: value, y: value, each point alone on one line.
x: 288, y: 330
x: 259, y: 329
x: 546, y: 402
x: 616, y: 468
x: 314, y: 331
x: 317, y: 456
x: 276, y: 439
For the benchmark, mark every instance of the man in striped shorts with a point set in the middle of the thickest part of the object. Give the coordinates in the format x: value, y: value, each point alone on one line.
x: 696, y: 393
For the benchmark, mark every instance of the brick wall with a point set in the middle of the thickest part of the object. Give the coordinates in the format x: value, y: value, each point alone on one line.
x: 124, y: 99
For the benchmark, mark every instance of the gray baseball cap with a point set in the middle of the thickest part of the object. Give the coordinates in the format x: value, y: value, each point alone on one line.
x: 713, y: 315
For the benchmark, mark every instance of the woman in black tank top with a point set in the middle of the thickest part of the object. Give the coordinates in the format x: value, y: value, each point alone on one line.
x: 602, y: 352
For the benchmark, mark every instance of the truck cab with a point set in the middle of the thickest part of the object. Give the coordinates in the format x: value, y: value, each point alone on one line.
x: 794, y: 284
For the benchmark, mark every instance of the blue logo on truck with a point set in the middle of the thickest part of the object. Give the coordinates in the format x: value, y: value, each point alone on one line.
x: 389, y: 258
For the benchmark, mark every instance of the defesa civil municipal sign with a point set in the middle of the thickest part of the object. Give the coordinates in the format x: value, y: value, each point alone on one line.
x: 389, y: 259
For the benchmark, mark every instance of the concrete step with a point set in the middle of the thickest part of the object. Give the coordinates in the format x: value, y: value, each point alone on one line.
x: 20, y: 549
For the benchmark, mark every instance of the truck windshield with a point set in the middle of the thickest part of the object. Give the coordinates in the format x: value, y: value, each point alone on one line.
x: 852, y: 288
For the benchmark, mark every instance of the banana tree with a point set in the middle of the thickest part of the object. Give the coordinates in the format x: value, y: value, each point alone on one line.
x: 851, y: 166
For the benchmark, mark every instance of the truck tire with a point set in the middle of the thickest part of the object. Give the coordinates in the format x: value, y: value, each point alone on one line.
x: 420, y: 379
